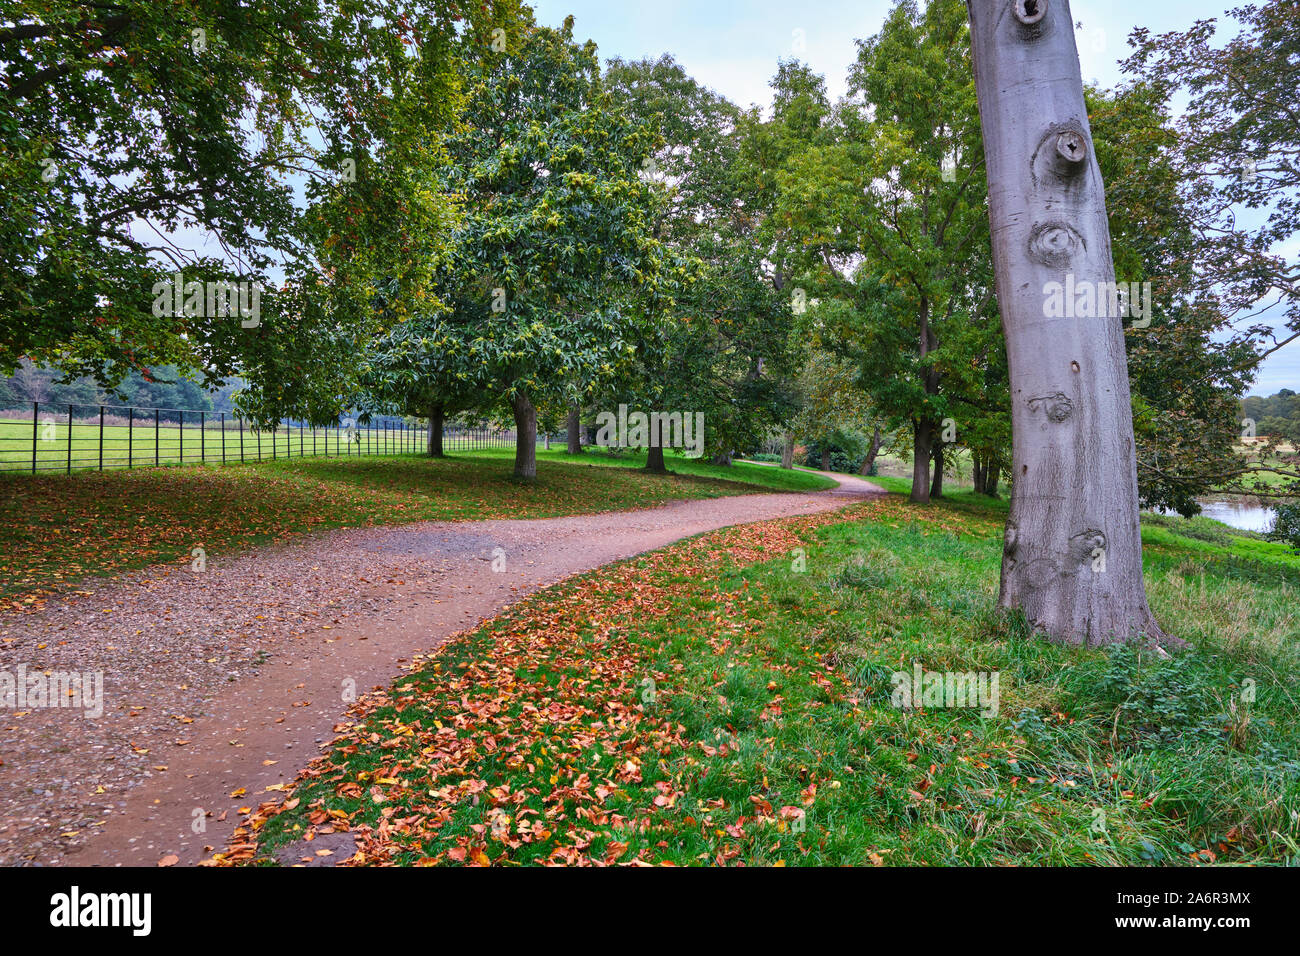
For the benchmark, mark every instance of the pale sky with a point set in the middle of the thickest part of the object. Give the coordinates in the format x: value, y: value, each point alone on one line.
x: 733, y: 46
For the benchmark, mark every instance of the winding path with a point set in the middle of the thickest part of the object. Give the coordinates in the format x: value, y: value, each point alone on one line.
x: 222, y: 683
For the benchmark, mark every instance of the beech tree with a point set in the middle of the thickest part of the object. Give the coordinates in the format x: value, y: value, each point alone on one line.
x: 1072, y: 558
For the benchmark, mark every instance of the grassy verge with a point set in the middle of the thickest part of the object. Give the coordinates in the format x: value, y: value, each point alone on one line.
x: 57, y: 530
x: 730, y: 700
x: 1165, y: 538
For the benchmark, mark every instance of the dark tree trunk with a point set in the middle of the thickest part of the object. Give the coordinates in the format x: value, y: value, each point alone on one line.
x: 722, y: 458
x: 977, y: 473
x: 787, y: 452
x: 574, y: 429
x: 936, y: 485
x: 1072, y: 558
x: 867, y: 463
x: 992, y: 472
x: 922, y: 443
x: 826, y: 460
x: 654, y: 459
x: 435, y: 431
x: 525, y: 438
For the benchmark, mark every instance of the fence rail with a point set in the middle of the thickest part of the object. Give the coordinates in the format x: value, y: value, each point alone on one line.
x: 70, y: 438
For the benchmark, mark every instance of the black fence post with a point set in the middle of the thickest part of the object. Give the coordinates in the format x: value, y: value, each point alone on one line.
x: 181, y: 432
x: 223, y: 438
x: 101, y: 437
x: 69, y: 471
x: 203, y: 437
x: 156, y: 419
x: 36, y: 420
x: 130, y: 436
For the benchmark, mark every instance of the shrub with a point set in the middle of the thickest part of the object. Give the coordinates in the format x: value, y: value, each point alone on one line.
x: 1287, y: 526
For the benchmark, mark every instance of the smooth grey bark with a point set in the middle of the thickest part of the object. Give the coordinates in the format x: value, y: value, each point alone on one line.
x: 1072, y: 558
x: 435, y: 431
x: 525, y: 437
x: 787, y: 452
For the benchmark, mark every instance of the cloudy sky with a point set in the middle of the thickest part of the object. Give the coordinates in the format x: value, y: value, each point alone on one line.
x: 733, y: 46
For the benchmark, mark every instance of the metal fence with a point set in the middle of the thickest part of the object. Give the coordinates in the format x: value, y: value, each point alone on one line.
x: 71, y: 438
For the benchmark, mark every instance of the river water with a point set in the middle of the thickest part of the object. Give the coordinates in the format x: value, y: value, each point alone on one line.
x: 1247, y: 514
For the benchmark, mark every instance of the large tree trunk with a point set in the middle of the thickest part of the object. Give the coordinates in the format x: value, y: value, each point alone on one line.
x: 574, y: 428
x: 922, y: 442
x: 787, y: 452
x: 1073, y: 550
x: 869, y: 462
x: 525, y: 438
x: 978, y: 465
x: 936, y: 485
x: 435, y: 431
x: 826, y: 459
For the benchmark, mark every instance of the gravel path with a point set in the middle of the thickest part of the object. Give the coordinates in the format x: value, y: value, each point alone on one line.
x: 221, y: 683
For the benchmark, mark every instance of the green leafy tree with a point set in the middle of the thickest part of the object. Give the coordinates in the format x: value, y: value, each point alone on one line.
x: 557, y: 225
x: 128, y: 122
x: 890, y: 222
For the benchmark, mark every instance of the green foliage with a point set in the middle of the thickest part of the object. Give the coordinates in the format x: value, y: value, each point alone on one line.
x: 721, y: 344
x: 1233, y: 166
x: 1286, y: 527
x: 894, y: 250
x: 141, y: 113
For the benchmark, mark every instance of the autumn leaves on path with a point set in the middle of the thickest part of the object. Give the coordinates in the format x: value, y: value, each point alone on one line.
x: 220, y: 685
x: 552, y: 735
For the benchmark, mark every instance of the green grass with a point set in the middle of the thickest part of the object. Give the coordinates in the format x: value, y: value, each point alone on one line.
x: 763, y: 476
x: 56, y: 530
x: 726, y: 701
x: 1164, y: 537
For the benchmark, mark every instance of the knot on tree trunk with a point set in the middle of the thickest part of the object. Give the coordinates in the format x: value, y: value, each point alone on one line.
x: 1029, y: 12
x: 1055, y: 244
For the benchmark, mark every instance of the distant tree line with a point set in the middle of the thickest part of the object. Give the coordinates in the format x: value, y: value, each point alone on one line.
x: 1277, y: 416
x: 156, y: 387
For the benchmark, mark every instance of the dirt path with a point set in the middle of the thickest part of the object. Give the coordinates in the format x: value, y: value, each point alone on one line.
x: 221, y: 683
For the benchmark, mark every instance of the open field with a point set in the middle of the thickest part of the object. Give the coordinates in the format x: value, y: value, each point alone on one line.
x: 52, y: 443
x: 723, y: 701
x: 56, y: 530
